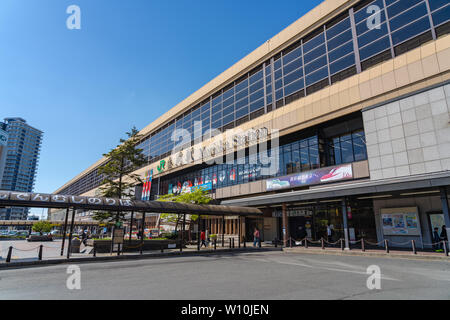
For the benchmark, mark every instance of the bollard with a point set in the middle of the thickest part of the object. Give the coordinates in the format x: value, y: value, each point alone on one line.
x: 198, y: 245
x: 118, y: 249
x: 323, y: 243
x: 306, y: 243
x: 233, y: 243
x: 162, y: 249
x: 386, y: 244
x: 141, y: 250
x: 276, y: 242
x: 95, y: 250
x: 215, y: 244
x: 230, y: 243
x: 290, y: 243
x: 245, y: 245
x: 342, y: 244
x: 413, y: 243
x: 8, y: 257
x: 40, y: 252
x: 181, y: 246
x: 363, y: 245
x: 444, y: 243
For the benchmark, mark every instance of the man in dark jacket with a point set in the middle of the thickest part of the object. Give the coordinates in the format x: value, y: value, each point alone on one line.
x: 444, y: 237
x: 436, y: 239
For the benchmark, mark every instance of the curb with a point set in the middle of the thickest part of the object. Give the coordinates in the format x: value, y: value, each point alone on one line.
x: 366, y: 254
x: 28, y: 264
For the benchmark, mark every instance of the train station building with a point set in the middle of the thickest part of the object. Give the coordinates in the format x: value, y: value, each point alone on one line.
x: 340, y: 121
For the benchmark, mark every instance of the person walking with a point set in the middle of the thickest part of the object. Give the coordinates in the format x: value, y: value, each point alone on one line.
x: 436, y: 240
x: 203, y: 239
x: 84, y: 237
x: 257, y: 238
x: 329, y: 233
x: 444, y: 237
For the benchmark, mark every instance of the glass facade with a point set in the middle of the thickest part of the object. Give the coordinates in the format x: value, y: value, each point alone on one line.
x: 21, y: 162
x: 298, y: 155
x: 339, y: 49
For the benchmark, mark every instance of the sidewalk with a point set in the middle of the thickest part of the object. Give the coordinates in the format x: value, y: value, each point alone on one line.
x: 87, y: 258
x: 369, y: 253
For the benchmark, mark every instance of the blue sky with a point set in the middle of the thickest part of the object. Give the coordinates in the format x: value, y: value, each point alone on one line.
x: 131, y: 61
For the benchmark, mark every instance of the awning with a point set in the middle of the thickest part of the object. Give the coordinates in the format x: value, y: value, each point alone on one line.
x: 358, y: 188
x: 40, y: 200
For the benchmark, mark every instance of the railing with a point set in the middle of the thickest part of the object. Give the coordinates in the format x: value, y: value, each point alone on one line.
x: 363, y: 245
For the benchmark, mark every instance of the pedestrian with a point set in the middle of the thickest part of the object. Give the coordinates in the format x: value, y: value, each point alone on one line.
x: 203, y: 239
x: 444, y: 237
x: 83, y: 237
x: 436, y: 240
x: 329, y: 233
x: 139, y: 235
x: 257, y: 238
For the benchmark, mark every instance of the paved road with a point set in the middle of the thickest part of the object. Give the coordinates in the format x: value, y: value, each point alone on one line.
x: 263, y: 275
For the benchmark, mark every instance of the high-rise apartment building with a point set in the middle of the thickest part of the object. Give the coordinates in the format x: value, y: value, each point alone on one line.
x: 19, y: 155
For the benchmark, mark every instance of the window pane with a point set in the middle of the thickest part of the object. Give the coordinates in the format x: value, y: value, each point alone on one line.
x: 409, y: 31
x: 374, y: 48
x: 338, y: 28
x: 408, y: 16
x: 441, y: 16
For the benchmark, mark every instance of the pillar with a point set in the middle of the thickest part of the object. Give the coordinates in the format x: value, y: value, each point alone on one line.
x: 445, y: 211
x: 285, y: 229
x: 345, y: 221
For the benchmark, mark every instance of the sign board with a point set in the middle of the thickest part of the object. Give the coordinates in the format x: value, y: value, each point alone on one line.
x: 172, y: 246
x: 400, y: 221
x: 319, y: 176
x: 293, y: 212
x: 118, y: 236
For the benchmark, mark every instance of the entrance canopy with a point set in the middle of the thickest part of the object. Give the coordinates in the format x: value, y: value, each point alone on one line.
x: 40, y: 200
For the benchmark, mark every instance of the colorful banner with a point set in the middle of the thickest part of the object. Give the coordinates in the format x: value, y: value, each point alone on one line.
x: 400, y: 222
x: 147, y: 187
x: 319, y: 176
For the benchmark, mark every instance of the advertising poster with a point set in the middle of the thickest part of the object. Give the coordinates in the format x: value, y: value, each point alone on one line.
x: 319, y: 176
x: 400, y: 221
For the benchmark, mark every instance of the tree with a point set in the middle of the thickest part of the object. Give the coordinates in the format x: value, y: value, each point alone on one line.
x: 42, y: 226
x: 198, y: 196
x: 119, y: 178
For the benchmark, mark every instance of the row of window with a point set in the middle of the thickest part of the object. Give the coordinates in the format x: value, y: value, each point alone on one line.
x: 298, y: 156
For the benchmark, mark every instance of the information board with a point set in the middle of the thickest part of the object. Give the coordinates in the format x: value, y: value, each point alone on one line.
x: 400, y: 221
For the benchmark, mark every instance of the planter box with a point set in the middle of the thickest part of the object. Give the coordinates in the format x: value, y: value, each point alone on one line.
x: 39, y: 238
x: 104, y: 246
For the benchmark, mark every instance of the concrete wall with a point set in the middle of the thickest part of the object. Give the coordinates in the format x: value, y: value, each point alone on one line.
x: 410, y: 136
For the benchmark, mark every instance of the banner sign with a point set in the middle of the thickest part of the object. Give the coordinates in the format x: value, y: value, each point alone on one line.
x: 147, y: 187
x: 319, y: 176
x: 400, y: 221
x: 293, y: 212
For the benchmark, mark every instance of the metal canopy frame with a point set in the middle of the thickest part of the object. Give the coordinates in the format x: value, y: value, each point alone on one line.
x: 39, y: 200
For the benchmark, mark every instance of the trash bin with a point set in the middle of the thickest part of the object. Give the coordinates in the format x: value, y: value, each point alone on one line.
x: 75, y: 246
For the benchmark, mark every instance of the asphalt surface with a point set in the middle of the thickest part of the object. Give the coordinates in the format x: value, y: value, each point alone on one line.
x: 263, y: 275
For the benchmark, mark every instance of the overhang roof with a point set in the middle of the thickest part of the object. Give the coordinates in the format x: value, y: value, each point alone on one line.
x: 40, y: 200
x: 358, y: 188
